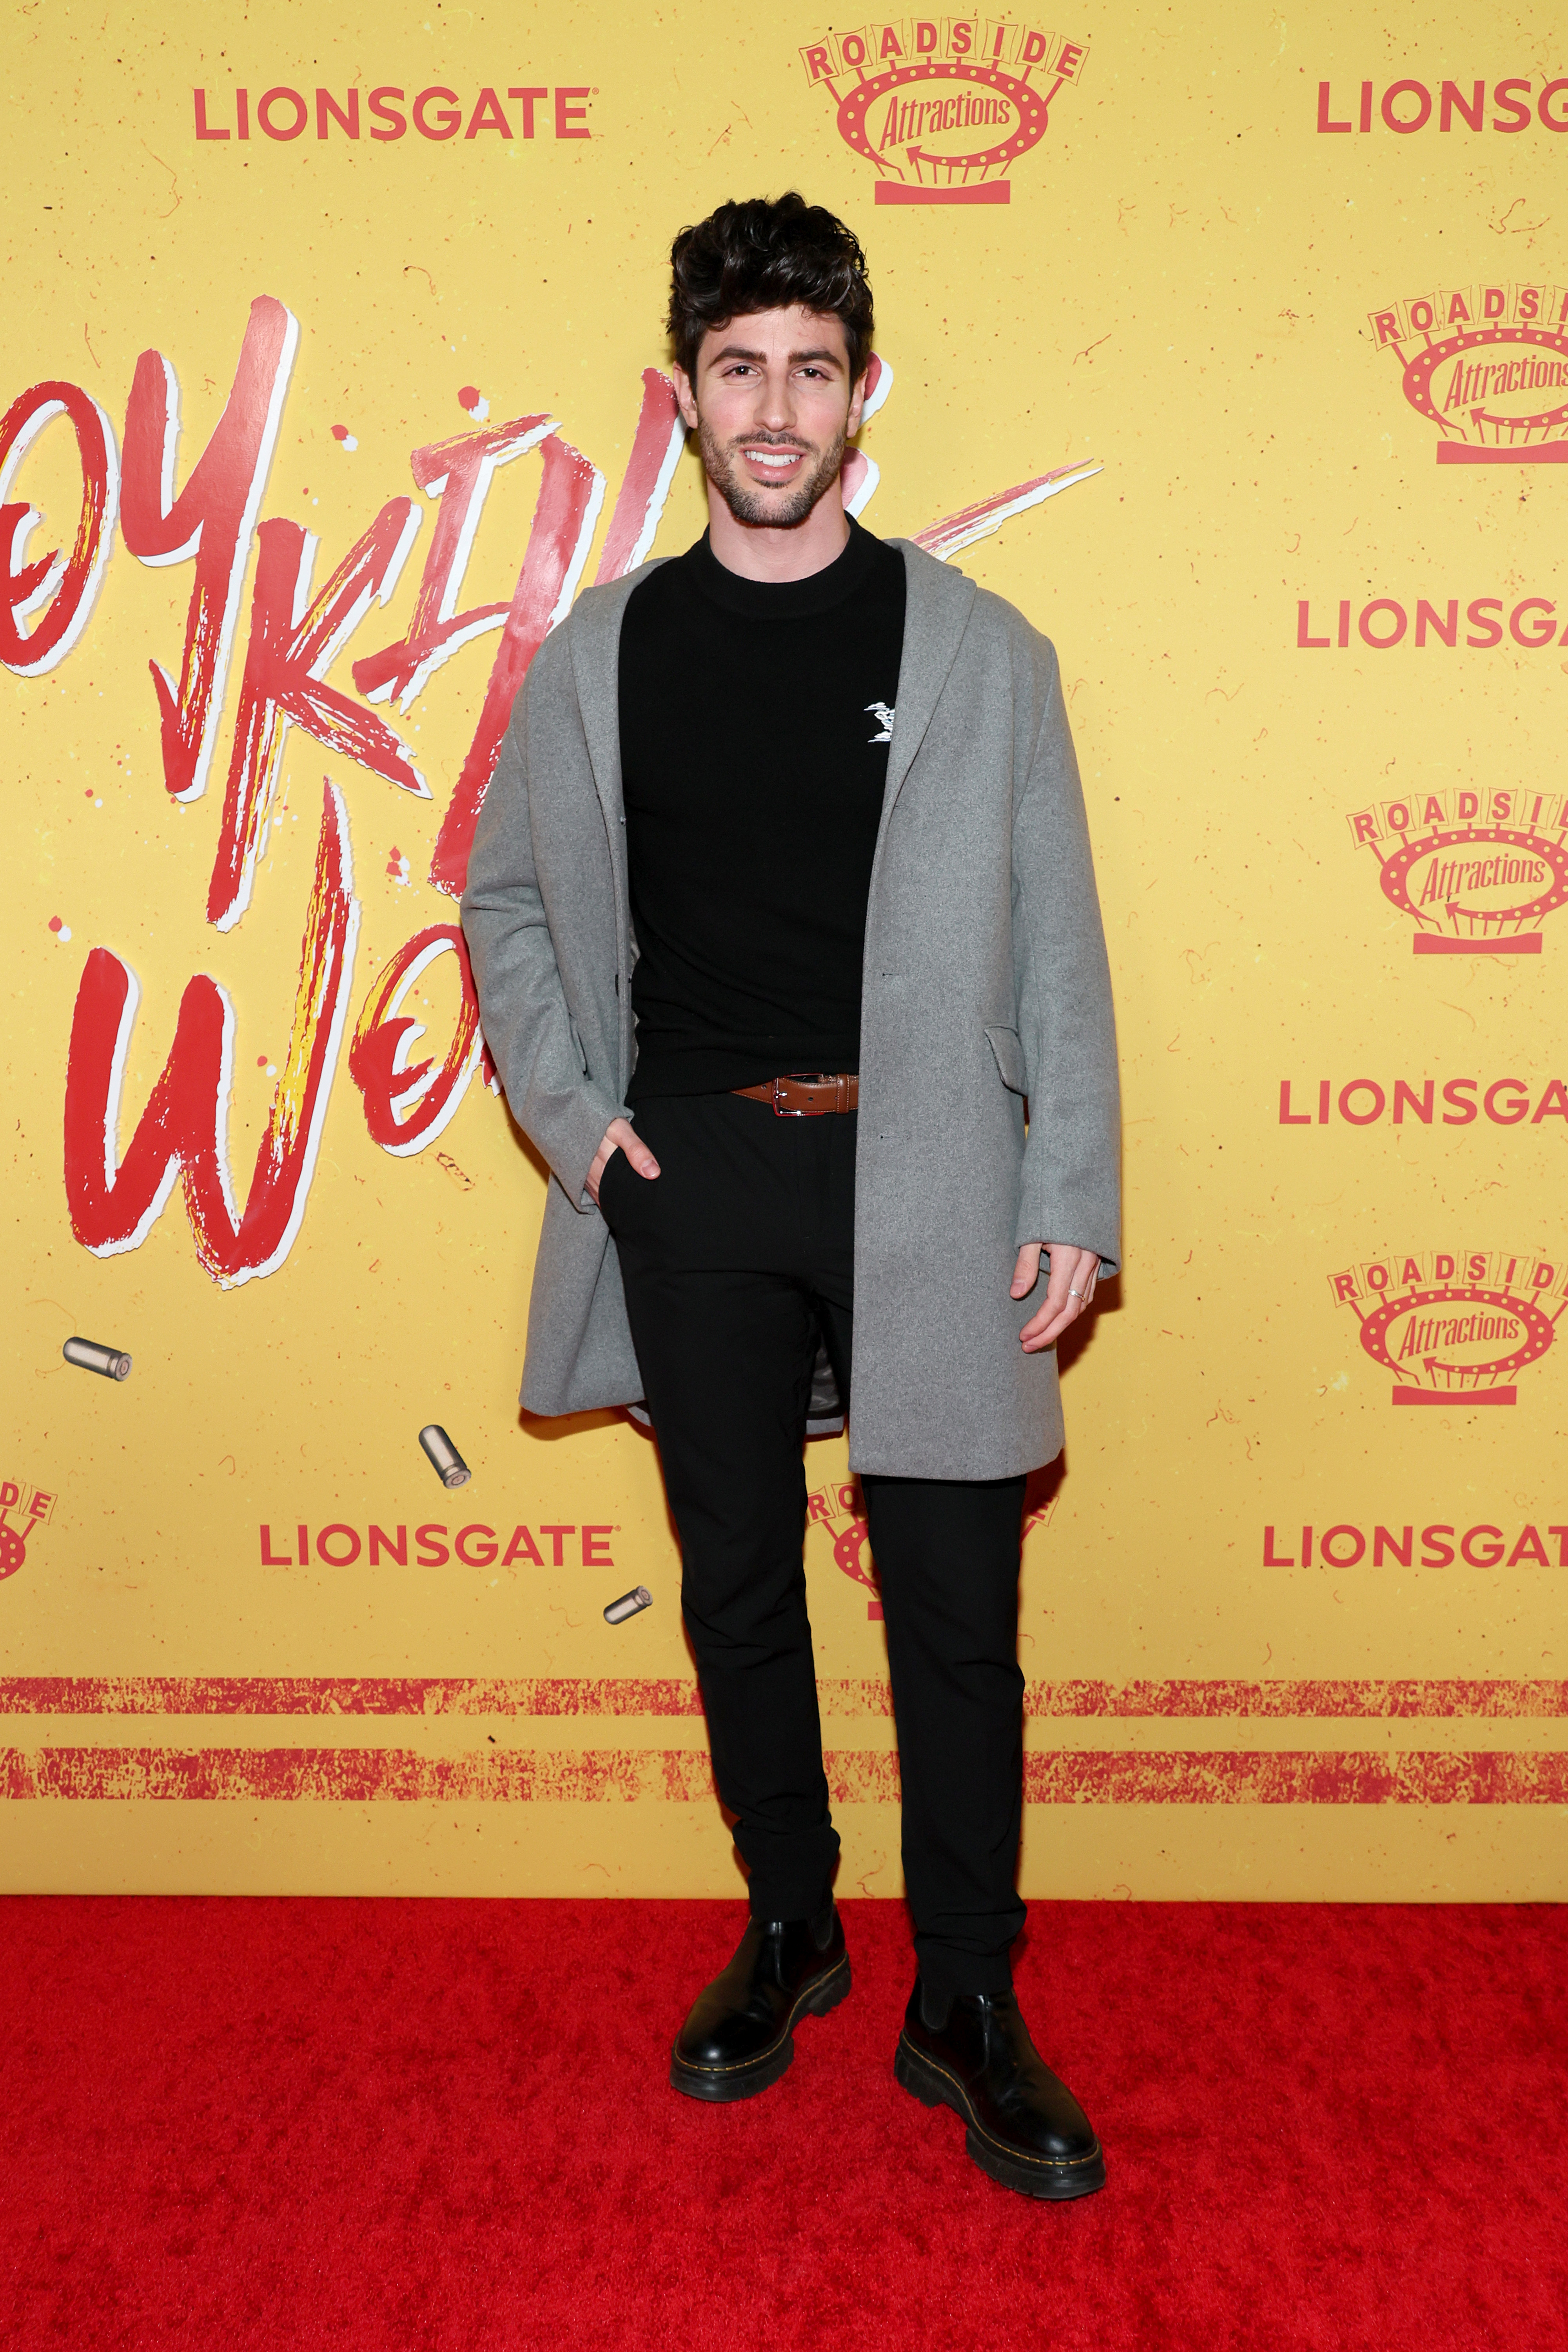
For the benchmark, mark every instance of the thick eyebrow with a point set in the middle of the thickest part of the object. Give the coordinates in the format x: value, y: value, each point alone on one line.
x: 796, y: 359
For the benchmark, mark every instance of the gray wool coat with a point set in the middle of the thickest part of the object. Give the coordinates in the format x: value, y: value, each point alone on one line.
x: 986, y: 985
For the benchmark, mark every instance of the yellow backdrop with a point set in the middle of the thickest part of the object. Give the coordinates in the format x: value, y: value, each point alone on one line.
x: 1243, y: 336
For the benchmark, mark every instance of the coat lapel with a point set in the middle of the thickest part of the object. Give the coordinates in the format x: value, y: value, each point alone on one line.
x: 594, y: 634
x: 594, y: 637
x: 937, y: 606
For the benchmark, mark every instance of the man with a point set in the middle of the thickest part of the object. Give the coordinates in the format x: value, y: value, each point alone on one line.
x: 780, y: 908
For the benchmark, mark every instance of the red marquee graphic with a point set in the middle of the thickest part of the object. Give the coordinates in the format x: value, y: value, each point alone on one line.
x: 1474, y: 871
x: 1487, y: 366
x: 943, y: 107
x: 1453, y: 1326
x: 35, y: 1512
x: 841, y: 1509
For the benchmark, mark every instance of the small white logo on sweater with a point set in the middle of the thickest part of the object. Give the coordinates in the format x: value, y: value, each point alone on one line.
x: 879, y: 712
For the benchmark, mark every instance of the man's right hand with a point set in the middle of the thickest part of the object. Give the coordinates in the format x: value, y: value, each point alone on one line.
x: 621, y: 1136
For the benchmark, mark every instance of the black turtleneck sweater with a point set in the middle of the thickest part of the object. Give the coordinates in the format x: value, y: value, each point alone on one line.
x: 755, y: 718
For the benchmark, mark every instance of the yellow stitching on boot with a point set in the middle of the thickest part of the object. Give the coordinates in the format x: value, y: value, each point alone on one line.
x: 1020, y: 2154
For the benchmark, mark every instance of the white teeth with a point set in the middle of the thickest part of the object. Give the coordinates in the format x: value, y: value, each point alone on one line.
x: 768, y: 457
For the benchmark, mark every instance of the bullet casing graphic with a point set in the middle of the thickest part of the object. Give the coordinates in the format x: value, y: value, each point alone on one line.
x: 94, y: 1357
x: 639, y: 1597
x: 445, y: 1459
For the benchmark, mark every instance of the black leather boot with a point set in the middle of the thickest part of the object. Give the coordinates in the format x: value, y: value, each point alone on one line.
x: 737, y: 2039
x: 1025, y: 2129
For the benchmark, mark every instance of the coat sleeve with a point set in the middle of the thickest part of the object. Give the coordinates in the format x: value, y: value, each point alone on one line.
x: 1071, y: 1175
x: 522, y: 1006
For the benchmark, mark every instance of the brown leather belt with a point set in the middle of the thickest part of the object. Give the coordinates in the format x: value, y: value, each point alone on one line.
x: 805, y: 1094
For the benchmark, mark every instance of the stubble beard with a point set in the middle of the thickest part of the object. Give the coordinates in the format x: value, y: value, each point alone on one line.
x: 746, y: 502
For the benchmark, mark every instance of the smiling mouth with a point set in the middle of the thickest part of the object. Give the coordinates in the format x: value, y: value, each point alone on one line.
x: 772, y: 464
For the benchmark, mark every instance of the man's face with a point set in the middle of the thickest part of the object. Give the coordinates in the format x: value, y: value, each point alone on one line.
x: 773, y: 405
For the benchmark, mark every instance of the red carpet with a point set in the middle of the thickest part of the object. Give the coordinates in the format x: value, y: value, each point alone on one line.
x: 445, y: 2128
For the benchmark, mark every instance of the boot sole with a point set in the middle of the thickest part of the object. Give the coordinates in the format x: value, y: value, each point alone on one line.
x: 1032, y: 2175
x: 721, y: 2085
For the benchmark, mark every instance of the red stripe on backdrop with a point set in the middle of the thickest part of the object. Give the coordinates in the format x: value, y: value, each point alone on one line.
x: 467, y: 1695
x: 340, y: 1694
x: 1302, y: 1776
x: 1499, y: 1699
x: 371, y: 1775
x: 358, y: 1775
x: 1248, y: 1777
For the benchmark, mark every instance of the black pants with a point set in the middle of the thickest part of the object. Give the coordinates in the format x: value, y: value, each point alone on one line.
x: 734, y: 1258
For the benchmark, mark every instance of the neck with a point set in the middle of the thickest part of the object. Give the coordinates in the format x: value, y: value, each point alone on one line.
x: 758, y: 553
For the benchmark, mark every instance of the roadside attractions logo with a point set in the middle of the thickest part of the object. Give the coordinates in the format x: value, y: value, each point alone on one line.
x: 1474, y: 871
x: 34, y: 1509
x: 1487, y: 366
x: 840, y: 1509
x: 943, y: 107
x: 1454, y: 1326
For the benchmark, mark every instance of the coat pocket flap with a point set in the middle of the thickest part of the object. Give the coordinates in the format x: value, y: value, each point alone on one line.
x: 1008, y: 1048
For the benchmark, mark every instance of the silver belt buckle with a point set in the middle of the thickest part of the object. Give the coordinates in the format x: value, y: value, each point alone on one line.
x: 802, y: 1078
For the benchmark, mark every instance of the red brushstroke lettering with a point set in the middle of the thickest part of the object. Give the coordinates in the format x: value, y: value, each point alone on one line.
x: 183, y: 1130
x: 292, y: 646
x: 956, y: 531
x: 68, y: 585
x: 656, y: 451
x: 405, y: 1108
x: 459, y: 473
x: 211, y: 520
x: 558, y: 543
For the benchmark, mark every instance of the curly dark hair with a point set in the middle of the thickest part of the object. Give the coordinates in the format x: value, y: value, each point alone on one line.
x: 759, y: 256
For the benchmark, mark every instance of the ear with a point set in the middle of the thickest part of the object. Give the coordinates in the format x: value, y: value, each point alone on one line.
x: 684, y: 398
x: 856, y: 403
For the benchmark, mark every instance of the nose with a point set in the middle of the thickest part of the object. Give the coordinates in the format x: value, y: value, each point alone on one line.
x: 775, y: 405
